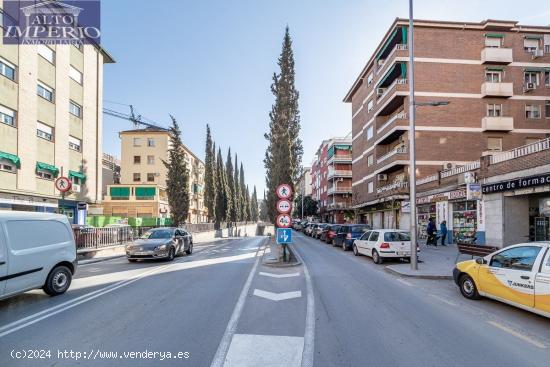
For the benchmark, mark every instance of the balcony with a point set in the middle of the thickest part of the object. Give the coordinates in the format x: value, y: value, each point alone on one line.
x: 395, y: 187
x: 496, y: 55
x: 339, y: 190
x: 340, y: 158
x: 490, y: 89
x: 336, y: 173
x: 383, y: 92
x: 338, y: 206
x: 497, y: 123
x: 393, y: 152
x: 401, y: 115
x: 396, y: 51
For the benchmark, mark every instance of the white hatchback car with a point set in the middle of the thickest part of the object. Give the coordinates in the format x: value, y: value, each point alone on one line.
x: 384, y: 243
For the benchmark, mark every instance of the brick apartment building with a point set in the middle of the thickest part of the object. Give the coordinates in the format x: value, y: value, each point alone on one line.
x: 331, y: 179
x: 496, y: 76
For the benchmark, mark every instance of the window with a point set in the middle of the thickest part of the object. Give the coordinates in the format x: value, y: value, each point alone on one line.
x: 547, y: 78
x: 532, y: 111
x: 137, y: 177
x: 370, y: 105
x: 75, y: 144
x: 75, y: 109
x: 547, y: 109
x: 493, y: 42
x: 76, y: 180
x: 531, y: 140
x: 365, y: 236
x: 494, y: 144
x: 7, y: 166
x: 75, y: 75
x: 370, y: 77
x: 546, y: 264
x: 44, y: 91
x: 46, y: 175
x: 137, y: 159
x: 494, y: 110
x: 7, y: 69
x: 493, y: 76
x: 370, y: 132
x: 531, y: 77
x: 371, y: 187
x: 137, y: 142
x: 150, y: 142
x: 370, y: 160
x: 7, y: 116
x: 374, y: 236
x: 150, y: 177
x: 530, y: 45
x: 150, y: 159
x: 44, y: 131
x: 518, y: 258
x: 46, y: 53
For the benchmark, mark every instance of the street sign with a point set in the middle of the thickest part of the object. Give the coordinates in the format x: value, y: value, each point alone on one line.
x: 284, y: 191
x: 63, y: 184
x: 284, y: 236
x: 283, y: 221
x: 284, y: 206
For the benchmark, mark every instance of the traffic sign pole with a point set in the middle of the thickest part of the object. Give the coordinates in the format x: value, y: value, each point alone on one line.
x: 284, y: 220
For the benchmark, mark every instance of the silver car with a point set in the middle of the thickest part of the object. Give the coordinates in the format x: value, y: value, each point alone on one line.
x: 160, y: 243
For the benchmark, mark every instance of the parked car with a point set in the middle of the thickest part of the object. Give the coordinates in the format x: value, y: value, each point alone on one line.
x: 316, y: 233
x: 160, y: 243
x: 384, y: 243
x: 330, y: 232
x: 518, y: 275
x: 347, y: 234
x: 309, y: 228
x: 297, y: 224
x: 37, y: 250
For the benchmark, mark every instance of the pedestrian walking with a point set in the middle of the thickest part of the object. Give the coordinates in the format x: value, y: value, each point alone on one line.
x: 443, y: 230
x: 431, y: 231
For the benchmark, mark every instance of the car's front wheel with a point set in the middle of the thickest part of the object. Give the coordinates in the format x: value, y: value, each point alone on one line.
x: 468, y: 287
x: 334, y: 243
x: 376, y: 257
x: 58, y: 281
x: 171, y: 254
x: 344, y: 246
x: 355, y: 250
x: 189, y: 250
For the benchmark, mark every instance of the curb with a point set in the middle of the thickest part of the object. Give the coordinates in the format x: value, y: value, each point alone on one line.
x: 279, y: 264
x: 419, y: 276
x: 92, y: 260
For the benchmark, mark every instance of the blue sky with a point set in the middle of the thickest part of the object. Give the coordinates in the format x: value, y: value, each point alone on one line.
x: 212, y: 61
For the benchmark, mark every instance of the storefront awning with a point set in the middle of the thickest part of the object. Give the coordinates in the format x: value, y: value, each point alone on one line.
x: 47, y: 167
x: 11, y: 157
x: 79, y: 175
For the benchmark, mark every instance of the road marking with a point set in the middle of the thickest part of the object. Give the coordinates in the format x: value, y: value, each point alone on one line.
x: 443, y: 300
x: 272, y: 275
x: 221, y: 353
x: 309, y: 334
x: 277, y: 296
x: 264, y: 350
x: 523, y: 337
x: 39, y: 316
x: 404, y: 282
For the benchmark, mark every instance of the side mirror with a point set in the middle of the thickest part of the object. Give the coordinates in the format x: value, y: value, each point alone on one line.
x: 481, y: 261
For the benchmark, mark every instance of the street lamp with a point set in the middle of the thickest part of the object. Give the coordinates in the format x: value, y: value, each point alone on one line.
x: 412, y: 138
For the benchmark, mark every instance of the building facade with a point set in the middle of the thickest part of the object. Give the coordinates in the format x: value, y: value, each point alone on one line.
x: 143, y: 152
x: 110, y: 172
x: 496, y: 78
x: 51, y: 126
x: 304, y: 185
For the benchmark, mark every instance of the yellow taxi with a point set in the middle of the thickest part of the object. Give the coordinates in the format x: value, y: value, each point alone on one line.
x: 518, y: 275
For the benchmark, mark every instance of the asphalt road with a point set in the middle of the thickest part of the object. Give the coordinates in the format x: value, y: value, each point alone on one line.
x: 222, y: 306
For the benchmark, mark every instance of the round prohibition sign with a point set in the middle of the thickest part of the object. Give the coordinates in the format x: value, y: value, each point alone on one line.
x: 284, y: 206
x: 284, y: 191
x: 284, y: 221
x: 63, y: 184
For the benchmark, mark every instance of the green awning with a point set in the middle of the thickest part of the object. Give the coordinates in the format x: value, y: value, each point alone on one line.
x: 330, y: 152
x: 79, y: 175
x: 11, y: 157
x: 494, y: 35
x: 533, y: 37
x: 47, y: 167
x: 536, y: 70
x: 402, y: 68
x: 404, y: 38
x: 494, y: 68
x: 145, y: 191
x: 388, y: 41
x: 119, y: 191
x: 343, y: 147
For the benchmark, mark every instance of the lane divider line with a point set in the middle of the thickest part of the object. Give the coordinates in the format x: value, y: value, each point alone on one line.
x: 441, y: 299
x: 404, y: 282
x: 278, y: 276
x: 518, y: 335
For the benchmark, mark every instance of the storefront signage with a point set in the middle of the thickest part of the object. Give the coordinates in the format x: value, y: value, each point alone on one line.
x: 520, y: 183
x: 473, y: 191
x: 451, y: 195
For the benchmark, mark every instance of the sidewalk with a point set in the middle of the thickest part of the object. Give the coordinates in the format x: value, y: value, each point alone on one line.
x: 435, y: 263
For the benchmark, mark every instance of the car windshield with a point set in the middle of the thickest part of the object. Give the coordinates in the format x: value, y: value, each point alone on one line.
x: 396, y: 236
x: 359, y: 228
x: 157, y: 234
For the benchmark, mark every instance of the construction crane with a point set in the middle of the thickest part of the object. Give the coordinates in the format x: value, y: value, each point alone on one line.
x: 136, y: 120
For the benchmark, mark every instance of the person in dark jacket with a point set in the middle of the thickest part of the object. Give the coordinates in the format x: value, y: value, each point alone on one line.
x: 431, y: 230
x: 443, y: 230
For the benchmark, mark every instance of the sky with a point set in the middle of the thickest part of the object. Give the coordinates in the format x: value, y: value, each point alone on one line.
x: 207, y: 61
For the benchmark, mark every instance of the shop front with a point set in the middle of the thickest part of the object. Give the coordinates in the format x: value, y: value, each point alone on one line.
x: 27, y: 203
x: 389, y: 214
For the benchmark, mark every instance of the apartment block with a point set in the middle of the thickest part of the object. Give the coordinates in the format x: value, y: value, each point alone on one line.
x: 331, y: 179
x: 304, y: 183
x: 494, y: 74
x: 51, y: 126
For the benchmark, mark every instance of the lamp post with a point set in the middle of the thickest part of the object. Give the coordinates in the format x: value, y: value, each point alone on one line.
x: 412, y: 138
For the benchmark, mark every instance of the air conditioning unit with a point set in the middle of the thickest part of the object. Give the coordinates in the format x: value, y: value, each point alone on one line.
x: 380, y: 91
x: 75, y: 188
x: 448, y: 165
x: 529, y: 86
x: 537, y: 53
x: 382, y: 177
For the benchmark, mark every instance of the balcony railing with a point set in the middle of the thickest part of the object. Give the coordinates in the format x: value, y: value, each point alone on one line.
x: 392, y: 186
x: 496, y: 55
x: 400, y: 150
x: 383, y: 63
x: 522, y: 151
x: 339, y: 173
x: 339, y: 190
x: 427, y: 179
x: 457, y: 170
x: 387, y: 90
x: 398, y: 116
x: 340, y: 158
x: 490, y: 89
x: 497, y: 123
x: 333, y: 206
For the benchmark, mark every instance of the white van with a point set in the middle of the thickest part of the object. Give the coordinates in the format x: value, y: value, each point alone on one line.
x: 37, y: 250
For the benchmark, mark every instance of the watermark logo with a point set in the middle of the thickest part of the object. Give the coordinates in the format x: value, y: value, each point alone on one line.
x: 53, y: 22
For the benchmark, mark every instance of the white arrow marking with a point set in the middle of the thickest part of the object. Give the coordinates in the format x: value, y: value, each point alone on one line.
x: 277, y: 296
x: 285, y: 236
x: 279, y: 275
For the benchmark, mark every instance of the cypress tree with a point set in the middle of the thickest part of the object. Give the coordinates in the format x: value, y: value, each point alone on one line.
x: 284, y: 152
x: 245, y: 209
x: 231, y: 213
x: 222, y: 200
x: 177, y: 180
x: 238, y: 193
x: 210, y: 184
x: 248, y: 213
x: 254, y: 206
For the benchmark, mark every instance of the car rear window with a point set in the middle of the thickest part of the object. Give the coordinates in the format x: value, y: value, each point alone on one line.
x: 396, y: 236
x: 359, y: 228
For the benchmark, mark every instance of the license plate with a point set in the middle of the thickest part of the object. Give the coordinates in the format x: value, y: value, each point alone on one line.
x: 403, y: 253
x: 141, y: 253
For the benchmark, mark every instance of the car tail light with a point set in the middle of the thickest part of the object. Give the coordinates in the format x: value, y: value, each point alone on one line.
x: 385, y: 245
x: 331, y: 233
x: 348, y: 236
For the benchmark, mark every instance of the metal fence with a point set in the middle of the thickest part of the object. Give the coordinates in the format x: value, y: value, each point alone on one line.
x: 95, y: 238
